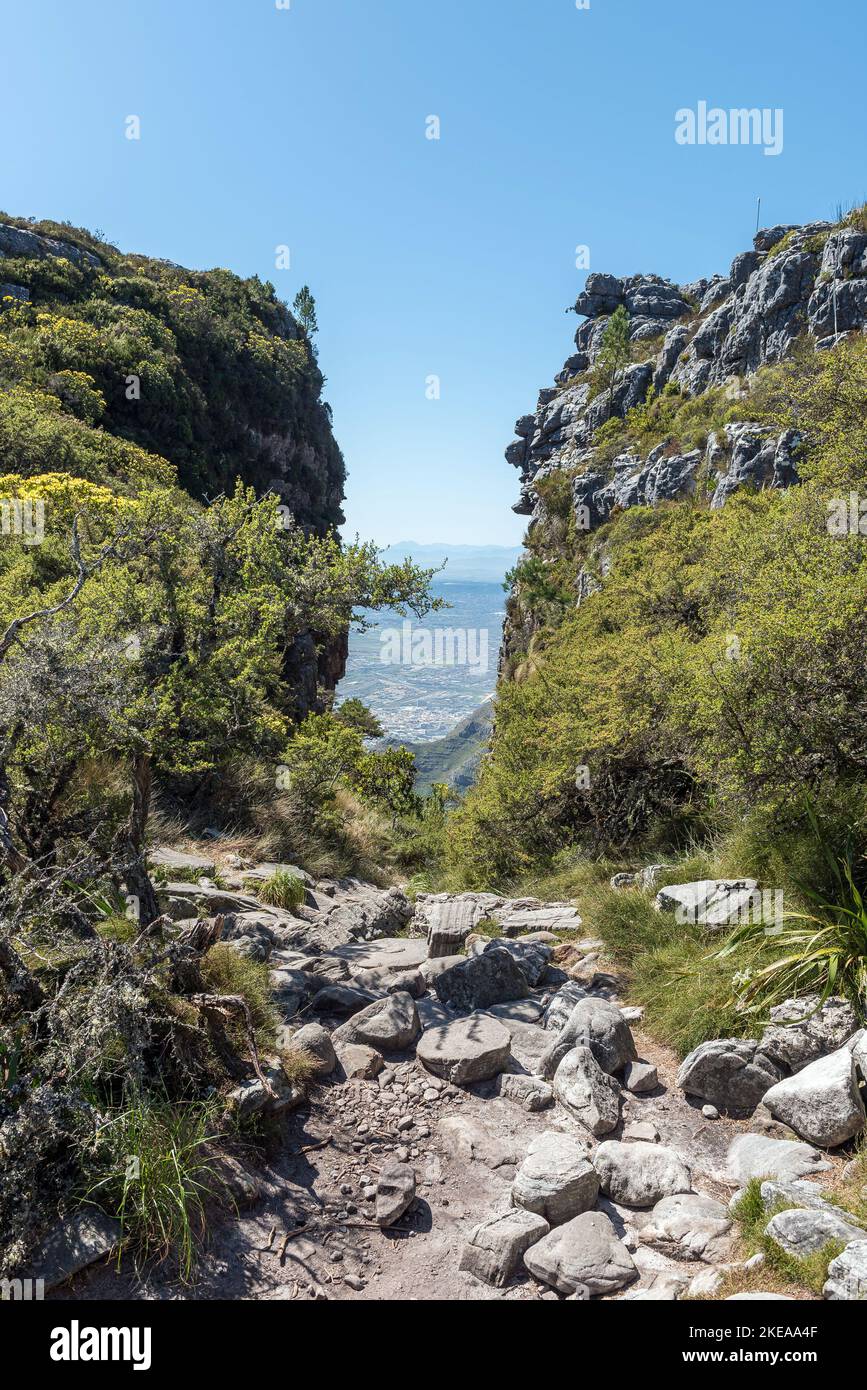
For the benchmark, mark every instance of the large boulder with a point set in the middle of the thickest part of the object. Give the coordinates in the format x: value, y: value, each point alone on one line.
x: 847, y: 1274
x: 556, y: 1179
x: 822, y: 1102
x: 598, y: 1025
x: 389, y: 1024
x: 729, y: 1073
x: 531, y: 957
x: 587, y: 1092
x: 802, y: 1030
x: 584, y: 1252
x: 559, y: 1011
x: 802, y: 1233
x: 479, y: 981
x: 316, y: 1041
x: 640, y: 1174
x: 755, y: 1156
x: 466, y: 1049
x: 689, y: 1226
x: 494, y: 1250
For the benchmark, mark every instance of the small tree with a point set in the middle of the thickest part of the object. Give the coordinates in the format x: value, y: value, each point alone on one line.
x: 304, y: 309
x: 614, y: 354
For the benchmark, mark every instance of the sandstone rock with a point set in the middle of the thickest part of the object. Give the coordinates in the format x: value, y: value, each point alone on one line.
x: 531, y: 957
x: 469, y: 1140
x: 480, y: 981
x: 556, y: 1179
x: 359, y: 1062
x: 74, y: 1243
x: 822, y: 1102
x: 559, y: 1010
x: 466, y: 1050
x: 339, y: 999
x: 172, y: 860
x: 495, y: 1248
x: 587, y: 1092
x: 639, y: 1174
x: 389, y: 1024
x: 690, y: 1226
x: 395, y: 1193
x: 316, y: 1040
x: 847, y: 1274
x: 599, y: 1025
x: 802, y: 1030
x: 640, y: 1077
x: 531, y: 1092
x: 809, y: 1195
x: 584, y: 1251
x: 759, y: 1298
x: 641, y: 1131
x: 754, y: 1156
x: 804, y: 1232
x: 714, y: 903
x: 730, y: 1073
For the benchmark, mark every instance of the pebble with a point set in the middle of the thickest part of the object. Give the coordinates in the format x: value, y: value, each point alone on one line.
x: 710, y: 1112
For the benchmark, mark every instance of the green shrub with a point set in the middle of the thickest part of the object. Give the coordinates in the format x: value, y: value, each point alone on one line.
x: 282, y: 890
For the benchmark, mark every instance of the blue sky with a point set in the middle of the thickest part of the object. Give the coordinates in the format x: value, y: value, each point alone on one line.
x: 453, y: 258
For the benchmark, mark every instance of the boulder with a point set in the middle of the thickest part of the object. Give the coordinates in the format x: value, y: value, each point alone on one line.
x: 810, y: 1195
x: 176, y: 860
x: 74, y: 1243
x: 802, y: 1030
x: 730, y: 1073
x: 389, y: 1024
x: 556, y: 1179
x: 755, y: 1156
x: 479, y: 981
x: 847, y: 1274
x: 495, y: 1248
x: 640, y: 1174
x: 466, y: 1049
x: 587, y: 1092
x: 531, y: 957
x: 802, y: 1233
x: 640, y: 1077
x: 339, y: 999
x: 359, y: 1062
x: 690, y: 1226
x: 585, y: 1251
x: 599, y: 1025
x: 559, y: 1010
x: 395, y: 1193
x: 822, y: 1102
x: 714, y: 903
x: 531, y: 1092
x: 316, y: 1040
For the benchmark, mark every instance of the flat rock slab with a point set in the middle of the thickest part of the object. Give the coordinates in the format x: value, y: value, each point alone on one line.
x: 176, y: 859
x: 390, y: 953
x: 556, y: 1179
x: 584, y: 1252
x: 755, y: 1156
x: 689, y: 1226
x: 467, y: 1139
x: 640, y: 1174
x: 495, y: 1248
x: 822, y: 1102
x: 466, y: 1050
x: 530, y: 1092
x: 714, y: 903
x: 78, y: 1241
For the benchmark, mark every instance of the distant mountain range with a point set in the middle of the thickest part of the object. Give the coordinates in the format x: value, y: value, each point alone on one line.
x: 482, y: 564
x: 455, y: 758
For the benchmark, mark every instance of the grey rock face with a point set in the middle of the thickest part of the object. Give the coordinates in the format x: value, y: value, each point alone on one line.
x: 847, y: 1274
x: 714, y: 903
x: 495, y: 1248
x: 689, y: 1226
x: 730, y: 1073
x: 802, y: 1030
x: 491, y: 978
x: 810, y: 1195
x: 360, y: 1062
x: 556, y: 1179
x: 598, y: 1025
x: 395, y: 1193
x: 585, y: 1251
x: 755, y: 1156
x: 587, y: 1092
x: 20, y: 242
x: 466, y: 1050
x: 640, y: 1174
x: 804, y: 1232
x: 822, y: 1103
x: 559, y: 1011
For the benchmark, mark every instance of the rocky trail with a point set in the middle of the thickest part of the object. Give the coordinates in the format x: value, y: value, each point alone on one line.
x: 489, y: 1122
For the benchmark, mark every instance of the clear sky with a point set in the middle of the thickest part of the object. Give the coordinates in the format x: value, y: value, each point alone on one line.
x: 456, y: 258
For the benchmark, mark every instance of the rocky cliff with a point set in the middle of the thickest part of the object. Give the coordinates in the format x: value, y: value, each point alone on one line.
x: 688, y: 340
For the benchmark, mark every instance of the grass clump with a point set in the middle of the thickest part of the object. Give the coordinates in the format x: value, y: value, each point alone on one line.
x: 809, y: 1272
x: 151, y: 1170
x: 224, y: 971
x: 282, y: 890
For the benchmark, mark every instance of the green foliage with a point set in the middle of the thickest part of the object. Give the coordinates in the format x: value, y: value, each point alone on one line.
x: 150, y: 1168
x: 282, y: 890
x: 807, y: 1272
x: 224, y: 971
x: 357, y: 716
x: 615, y: 353
x: 304, y: 309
